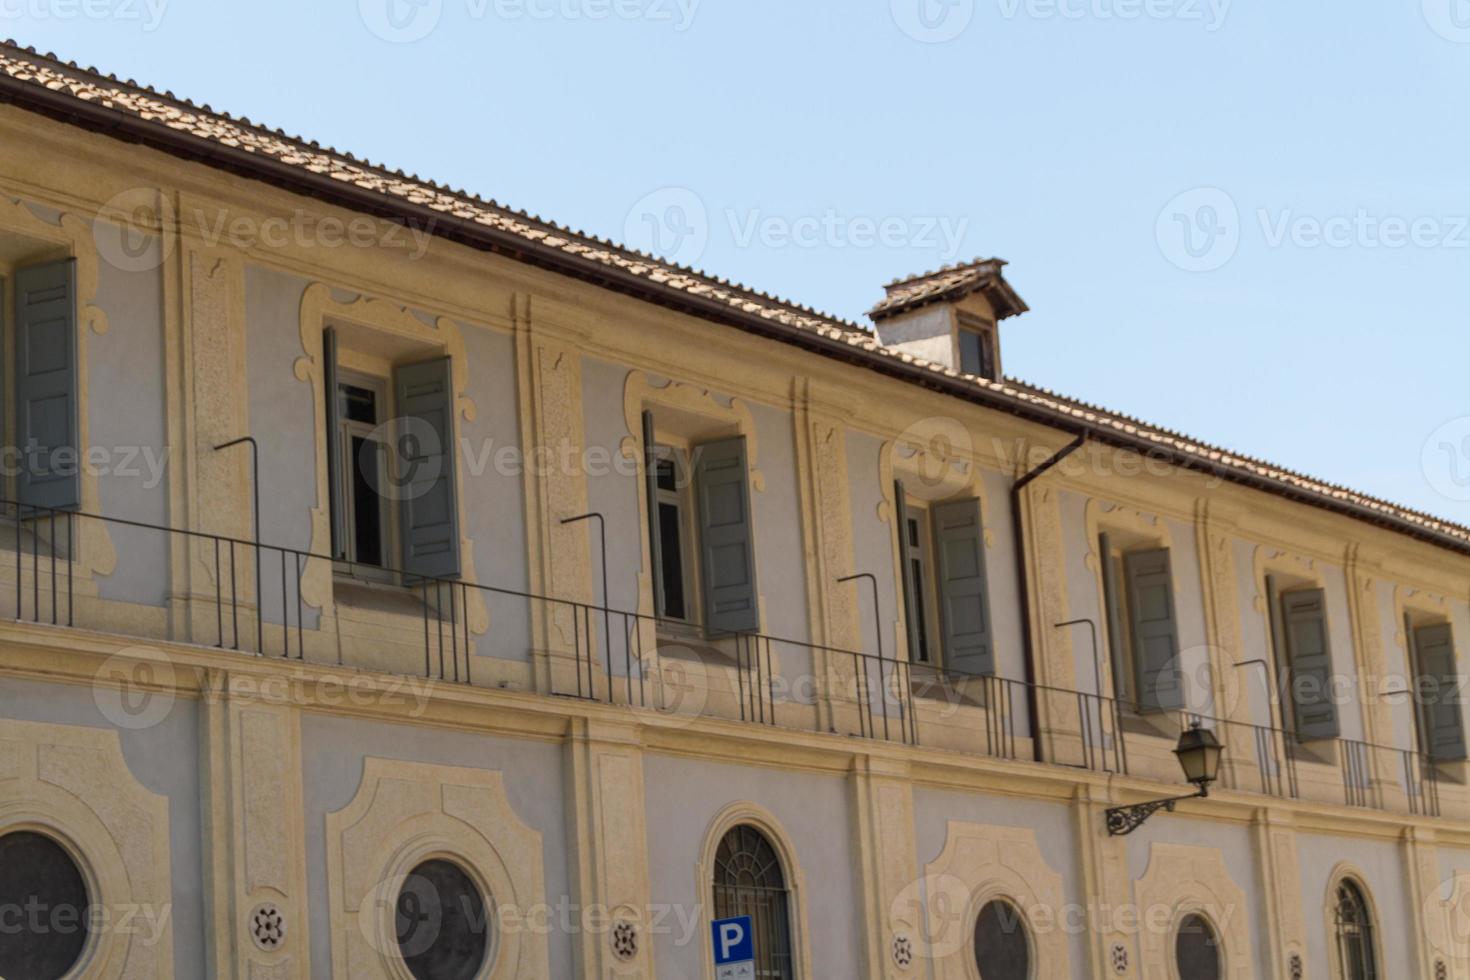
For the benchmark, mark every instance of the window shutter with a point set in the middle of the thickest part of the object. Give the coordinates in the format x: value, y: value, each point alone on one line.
x: 911, y: 612
x: 650, y: 490
x: 46, y: 385
x: 1157, y: 684
x: 726, y: 537
x: 334, y: 444
x: 429, y: 521
x: 959, y: 546
x: 1444, y: 731
x: 1122, y: 682
x: 1309, y: 658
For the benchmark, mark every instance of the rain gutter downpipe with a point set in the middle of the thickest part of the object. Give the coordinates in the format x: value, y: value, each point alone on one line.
x: 1024, y: 590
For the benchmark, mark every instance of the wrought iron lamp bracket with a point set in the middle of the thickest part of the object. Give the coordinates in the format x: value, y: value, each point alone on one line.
x: 1124, y: 820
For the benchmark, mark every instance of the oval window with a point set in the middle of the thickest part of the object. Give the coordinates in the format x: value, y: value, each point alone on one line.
x: 1197, y: 949
x: 45, y: 907
x: 442, y: 926
x: 1002, y: 948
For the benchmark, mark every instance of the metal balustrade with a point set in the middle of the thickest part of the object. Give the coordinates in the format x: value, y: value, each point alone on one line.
x: 66, y: 572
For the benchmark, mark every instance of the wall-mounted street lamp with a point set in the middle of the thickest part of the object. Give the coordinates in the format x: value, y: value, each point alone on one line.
x: 1198, y: 753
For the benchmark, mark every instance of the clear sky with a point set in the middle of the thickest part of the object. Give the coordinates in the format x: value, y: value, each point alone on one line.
x: 1245, y: 219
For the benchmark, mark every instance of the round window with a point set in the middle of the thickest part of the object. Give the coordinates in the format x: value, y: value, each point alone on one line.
x: 44, y: 908
x: 1197, y: 949
x: 1002, y: 948
x: 441, y: 922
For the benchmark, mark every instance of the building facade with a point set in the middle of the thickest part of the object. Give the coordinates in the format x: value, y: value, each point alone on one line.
x: 396, y: 585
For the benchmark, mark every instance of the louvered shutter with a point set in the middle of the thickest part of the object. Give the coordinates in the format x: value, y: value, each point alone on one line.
x: 726, y: 537
x: 1158, y: 684
x: 429, y: 512
x: 46, y: 385
x: 959, y: 546
x: 1439, y: 687
x: 1309, y: 661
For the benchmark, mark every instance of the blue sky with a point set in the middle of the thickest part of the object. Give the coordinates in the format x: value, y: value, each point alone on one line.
x: 1240, y: 218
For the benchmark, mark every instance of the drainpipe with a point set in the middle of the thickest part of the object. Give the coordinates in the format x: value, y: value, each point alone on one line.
x: 1018, y: 532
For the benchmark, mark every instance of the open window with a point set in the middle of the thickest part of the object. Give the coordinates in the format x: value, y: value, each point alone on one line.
x: 701, y: 540
x: 1143, y: 624
x: 978, y: 350
x: 390, y: 460
x: 941, y: 548
x: 1438, y: 711
x: 1302, y: 647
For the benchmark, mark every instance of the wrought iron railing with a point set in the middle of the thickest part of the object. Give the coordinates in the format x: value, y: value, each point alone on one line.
x: 274, y: 601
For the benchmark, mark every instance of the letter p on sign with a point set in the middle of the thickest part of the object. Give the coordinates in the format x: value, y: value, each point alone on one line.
x: 734, y: 948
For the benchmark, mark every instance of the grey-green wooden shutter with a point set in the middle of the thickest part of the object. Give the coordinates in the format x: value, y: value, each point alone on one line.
x: 46, y: 385
x: 1158, y: 684
x: 334, y: 444
x: 1444, y: 729
x: 650, y: 490
x: 726, y: 537
x: 911, y: 610
x: 1118, y: 657
x: 1309, y: 659
x: 429, y: 513
x: 959, y: 547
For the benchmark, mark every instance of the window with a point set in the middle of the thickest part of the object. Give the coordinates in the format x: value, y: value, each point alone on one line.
x: 1143, y: 628
x: 700, y: 531
x: 977, y: 348
x: 1357, y: 955
x: 941, y: 550
x: 1002, y: 946
x: 45, y: 896
x: 1197, y: 950
x: 1438, y: 712
x: 748, y: 880
x: 441, y: 923
x: 390, y: 466
x: 1303, y: 654
x: 45, y: 385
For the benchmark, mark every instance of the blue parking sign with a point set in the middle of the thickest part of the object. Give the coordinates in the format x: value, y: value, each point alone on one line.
x: 734, y: 948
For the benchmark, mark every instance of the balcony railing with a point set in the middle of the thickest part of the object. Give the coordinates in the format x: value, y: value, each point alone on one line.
x: 150, y: 582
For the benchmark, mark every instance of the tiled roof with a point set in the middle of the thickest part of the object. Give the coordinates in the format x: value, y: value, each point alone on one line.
x: 127, y: 110
x: 949, y: 284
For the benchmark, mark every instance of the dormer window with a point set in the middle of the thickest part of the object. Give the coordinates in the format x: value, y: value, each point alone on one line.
x: 977, y: 347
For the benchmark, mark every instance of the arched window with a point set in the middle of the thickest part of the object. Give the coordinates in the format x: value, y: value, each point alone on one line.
x: 1002, y: 946
x: 443, y: 929
x: 1357, y: 955
x: 1197, y: 949
x: 749, y: 881
x: 44, y: 893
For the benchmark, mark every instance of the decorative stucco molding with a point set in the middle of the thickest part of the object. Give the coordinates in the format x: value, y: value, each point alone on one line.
x: 406, y: 813
x: 1184, y: 880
